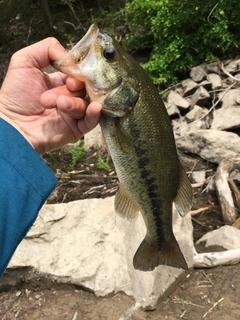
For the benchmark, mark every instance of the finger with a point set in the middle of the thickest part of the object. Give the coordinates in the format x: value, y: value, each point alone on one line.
x: 57, y: 79
x: 74, y: 84
x: 49, y: 98
x: 40, y: 54
x: 91, y: 118
x: 75, y: 107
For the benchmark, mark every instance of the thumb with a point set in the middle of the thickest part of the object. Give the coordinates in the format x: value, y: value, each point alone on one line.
x: 39, y: 54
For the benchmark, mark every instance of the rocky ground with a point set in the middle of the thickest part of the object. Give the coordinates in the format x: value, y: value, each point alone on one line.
x: 200, y: 294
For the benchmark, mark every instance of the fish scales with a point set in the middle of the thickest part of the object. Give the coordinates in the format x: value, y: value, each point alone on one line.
x: 139, y: 137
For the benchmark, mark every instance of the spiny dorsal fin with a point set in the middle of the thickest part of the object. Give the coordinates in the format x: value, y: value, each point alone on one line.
x: 124, y: 205
x: 149, y: 256
x: 184, y: 198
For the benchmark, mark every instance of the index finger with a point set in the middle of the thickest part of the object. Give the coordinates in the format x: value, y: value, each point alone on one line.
x: 39, y: 54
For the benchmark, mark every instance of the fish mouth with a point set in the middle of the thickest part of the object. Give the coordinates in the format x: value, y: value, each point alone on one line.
x: 69, y: 63
x: 112, y: 113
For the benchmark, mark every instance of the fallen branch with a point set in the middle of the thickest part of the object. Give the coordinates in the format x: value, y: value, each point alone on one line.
x: 213, y: 259
x: 215, y: 304
x: 223, y: 190
x: 227, y: 73
x: 235, y: 191
x: 200, y: 210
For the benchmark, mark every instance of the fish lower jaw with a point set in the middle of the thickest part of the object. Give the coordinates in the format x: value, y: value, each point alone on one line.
x: 112, y: 113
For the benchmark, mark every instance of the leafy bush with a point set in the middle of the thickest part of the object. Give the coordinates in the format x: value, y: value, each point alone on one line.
x: 182, y: 33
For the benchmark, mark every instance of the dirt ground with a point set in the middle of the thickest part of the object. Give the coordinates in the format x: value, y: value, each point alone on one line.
x: 201, y: 294
x: 204, y: 294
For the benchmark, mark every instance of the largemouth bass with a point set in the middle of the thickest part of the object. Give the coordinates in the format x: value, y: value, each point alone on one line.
x: 140, y: 140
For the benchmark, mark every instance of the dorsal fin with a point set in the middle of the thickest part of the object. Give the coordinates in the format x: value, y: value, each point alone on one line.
x: 124, y: 205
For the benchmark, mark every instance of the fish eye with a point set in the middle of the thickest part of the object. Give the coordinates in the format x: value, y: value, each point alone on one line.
x: 109, y: 53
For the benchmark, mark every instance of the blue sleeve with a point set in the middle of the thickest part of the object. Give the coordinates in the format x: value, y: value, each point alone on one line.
x: 25, y: 183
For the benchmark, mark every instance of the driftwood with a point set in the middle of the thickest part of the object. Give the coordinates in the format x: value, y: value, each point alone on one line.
x: 223, y: 189
x: 213, y: 259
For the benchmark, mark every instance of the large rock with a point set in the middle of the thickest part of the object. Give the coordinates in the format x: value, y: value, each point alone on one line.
x: 86, y: 243
x: 227, y: 237
x: 211, y: 145
x: 93, y: 139
x: 226, y: 118
x: 231, y: 98
x: 198, y: 73
x: 200, y: 97
x: 189, y: 87
x: 178, y: 100
x: 215, y: 81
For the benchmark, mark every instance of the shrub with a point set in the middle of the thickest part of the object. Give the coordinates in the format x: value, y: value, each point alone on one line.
x: 182, y: 33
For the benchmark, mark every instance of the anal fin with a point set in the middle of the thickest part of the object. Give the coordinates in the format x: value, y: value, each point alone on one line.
x: 184, y: 198
x: 149, y: 256
x: 124, y: 205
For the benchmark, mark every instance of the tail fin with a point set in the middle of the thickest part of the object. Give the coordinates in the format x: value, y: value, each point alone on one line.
x: 149, y: 256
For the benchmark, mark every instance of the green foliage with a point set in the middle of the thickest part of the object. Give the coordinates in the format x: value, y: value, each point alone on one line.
x: 77, y: 153
x: 103, y: 163
x: 182, y: 33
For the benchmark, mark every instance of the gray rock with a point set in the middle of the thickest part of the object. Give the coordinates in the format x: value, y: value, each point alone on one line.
x: 189, y: 87
x: 93, y: 138
x: 200, y: 97
x: 231, y: 98
x: 213, y: 67
x: 190, y: 162
x: 195, y: 114
x: 198, y: 73
x: 178, y: 100
x: 211, y: 145
x: 206, y: 84
x: 227, y: 237
x: 226, y: 118
x: 198, y: 176
x: 233, y: 66
x: 215, y: 81
x: 172, y: 109
x: 86, y: 243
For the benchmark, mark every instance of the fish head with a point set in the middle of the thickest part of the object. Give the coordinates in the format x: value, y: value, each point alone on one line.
x: 98, y: 60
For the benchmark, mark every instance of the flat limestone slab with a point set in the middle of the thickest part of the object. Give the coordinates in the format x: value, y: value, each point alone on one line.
x: 85, y: 243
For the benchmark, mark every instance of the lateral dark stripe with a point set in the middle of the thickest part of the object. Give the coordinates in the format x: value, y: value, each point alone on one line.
x: 152, y: 189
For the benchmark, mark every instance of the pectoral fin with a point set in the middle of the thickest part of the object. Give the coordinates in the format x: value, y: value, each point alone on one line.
x: 184, y: 198
x: 124, y: 205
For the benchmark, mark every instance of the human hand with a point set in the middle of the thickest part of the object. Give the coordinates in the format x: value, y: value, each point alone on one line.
x: 49, y: 110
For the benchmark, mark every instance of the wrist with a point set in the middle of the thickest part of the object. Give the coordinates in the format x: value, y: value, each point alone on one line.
x: 14, y: 124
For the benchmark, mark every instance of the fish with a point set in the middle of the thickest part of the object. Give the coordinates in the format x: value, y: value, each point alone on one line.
x: 139, y: 137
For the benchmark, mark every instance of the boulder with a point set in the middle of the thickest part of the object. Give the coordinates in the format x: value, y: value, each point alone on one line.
x: 172, y: 109
x: 178, y: 100
x: 189, y: 87
x: 200, y: 97
x: 211, y: 145
x: 213, y: 67
x: 233, y: 66
x: 227, y: 237
x: 226, y: 118
x: 198, y: 176
x: 198, y: 73
x: 93, y: 139
x: 215, y: 80
x: 195, y: 114
x: 85, y: 243
x: 231, y: 98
